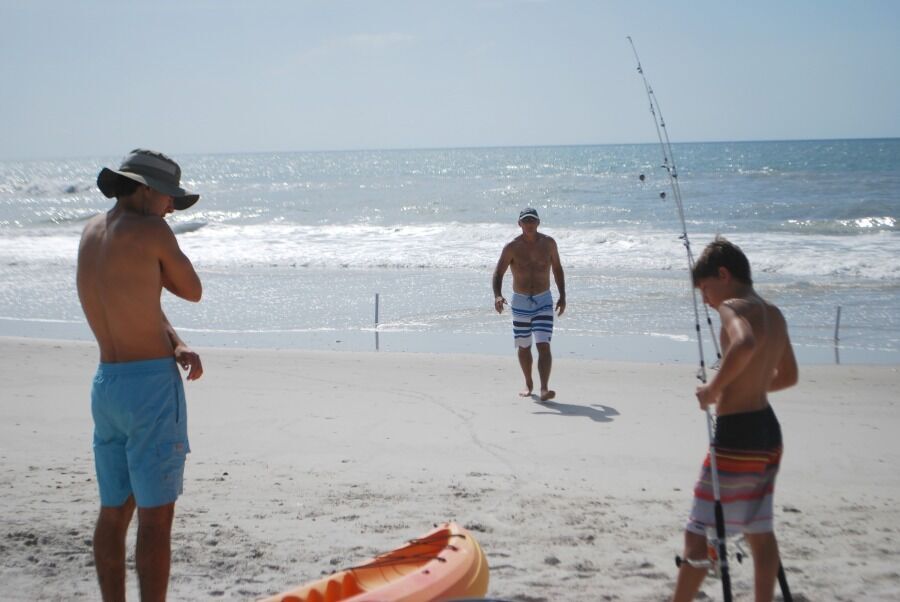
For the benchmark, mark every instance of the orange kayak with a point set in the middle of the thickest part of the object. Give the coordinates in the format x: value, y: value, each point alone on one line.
x: 444, y: 564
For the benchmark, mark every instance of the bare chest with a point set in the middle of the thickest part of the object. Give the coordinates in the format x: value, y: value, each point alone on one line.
x: 531, y: 255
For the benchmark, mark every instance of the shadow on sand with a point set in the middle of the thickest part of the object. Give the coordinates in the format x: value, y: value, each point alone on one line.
x: 596, y: 412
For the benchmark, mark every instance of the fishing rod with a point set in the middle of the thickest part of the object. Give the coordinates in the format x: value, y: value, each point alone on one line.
x: 669, y: 165
x: 671, y: 170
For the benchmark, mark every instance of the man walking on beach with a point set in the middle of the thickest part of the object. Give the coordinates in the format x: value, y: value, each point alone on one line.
x: 531, y: 256
x: 757, y: 358
x: 126, y: 256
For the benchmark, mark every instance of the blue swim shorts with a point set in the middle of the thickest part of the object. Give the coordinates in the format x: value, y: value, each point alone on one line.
x: 140, y: 432
x: 532, y: 314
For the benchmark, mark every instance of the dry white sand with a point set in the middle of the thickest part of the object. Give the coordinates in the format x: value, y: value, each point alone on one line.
x: 304, y: 462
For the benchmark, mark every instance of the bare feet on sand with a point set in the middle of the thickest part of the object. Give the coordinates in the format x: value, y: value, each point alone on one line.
x: 547, y: 394
x: 529, y: 387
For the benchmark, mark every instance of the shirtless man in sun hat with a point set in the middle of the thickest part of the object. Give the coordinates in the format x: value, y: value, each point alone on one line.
x: 531, y: 257
x: 126, y: 257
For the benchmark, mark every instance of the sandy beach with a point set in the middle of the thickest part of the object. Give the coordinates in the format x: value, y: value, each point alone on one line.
x: 305, y: 462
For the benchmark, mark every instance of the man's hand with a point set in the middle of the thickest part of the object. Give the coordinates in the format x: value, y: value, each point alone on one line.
x: 707, y: 396
x: 499, y: 302
x: 561, y: 306
x: 189, y: 360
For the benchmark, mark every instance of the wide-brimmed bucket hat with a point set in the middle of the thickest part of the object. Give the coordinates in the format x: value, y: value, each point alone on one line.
x: 154, y: 169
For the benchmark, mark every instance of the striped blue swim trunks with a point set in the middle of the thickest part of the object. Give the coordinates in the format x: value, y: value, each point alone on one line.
x: 532, y: 314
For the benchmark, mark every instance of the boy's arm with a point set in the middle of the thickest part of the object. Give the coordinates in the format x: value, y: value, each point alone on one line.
x: 741, y: 344
x: 186, y: 357
x: 558, y: 276
x: 786, y: 373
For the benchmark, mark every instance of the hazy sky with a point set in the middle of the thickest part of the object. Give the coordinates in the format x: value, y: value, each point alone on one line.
x: 99, y: 77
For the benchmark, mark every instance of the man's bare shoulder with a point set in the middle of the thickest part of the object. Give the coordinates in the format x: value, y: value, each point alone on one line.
x: 146, y: 221
x: 540, y: 238
x: 148, y: 227
x: 514, y: 244
x: 148, y: 232
x: 95, y: 222
x: 547, y: 240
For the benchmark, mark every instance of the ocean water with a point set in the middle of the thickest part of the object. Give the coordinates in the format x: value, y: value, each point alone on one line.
x: 293, y: 247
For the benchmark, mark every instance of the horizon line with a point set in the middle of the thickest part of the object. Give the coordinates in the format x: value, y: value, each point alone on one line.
x: 464, y: 147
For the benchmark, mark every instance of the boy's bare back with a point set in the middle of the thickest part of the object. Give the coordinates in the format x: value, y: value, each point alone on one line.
x: 760, y: 327
x: 757, y: 356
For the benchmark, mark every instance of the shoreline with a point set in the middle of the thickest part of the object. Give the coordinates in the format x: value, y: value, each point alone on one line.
x: 632, y: 348
x: 303, y: 462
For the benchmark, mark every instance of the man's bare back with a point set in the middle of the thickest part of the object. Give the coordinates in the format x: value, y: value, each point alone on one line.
x: 125, y: 258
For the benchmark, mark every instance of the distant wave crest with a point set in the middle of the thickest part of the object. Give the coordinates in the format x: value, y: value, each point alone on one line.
x: 629, y: 249
x: 185, y: 227
x: 478, y: 246
x: 842, y: 226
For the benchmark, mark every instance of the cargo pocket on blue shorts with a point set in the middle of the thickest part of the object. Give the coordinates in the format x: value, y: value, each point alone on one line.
x: 172, y: 455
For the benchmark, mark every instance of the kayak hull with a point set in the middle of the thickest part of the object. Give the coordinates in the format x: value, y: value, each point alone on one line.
x: 443, y: 564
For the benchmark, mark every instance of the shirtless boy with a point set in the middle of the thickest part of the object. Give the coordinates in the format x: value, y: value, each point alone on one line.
x: 757, y: 358
x: 126, y: 256
x: 532, y: 256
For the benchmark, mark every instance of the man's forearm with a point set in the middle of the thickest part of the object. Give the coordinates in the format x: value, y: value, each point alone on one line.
x: 170, y: 332
x: 560, y: 279
x: 497, y: 282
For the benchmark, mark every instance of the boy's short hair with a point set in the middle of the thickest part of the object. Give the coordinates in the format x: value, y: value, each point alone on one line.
x: 722, y: 253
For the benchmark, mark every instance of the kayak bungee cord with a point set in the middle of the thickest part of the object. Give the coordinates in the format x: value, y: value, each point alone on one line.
x: 669, y: 166
x: 394, y: 558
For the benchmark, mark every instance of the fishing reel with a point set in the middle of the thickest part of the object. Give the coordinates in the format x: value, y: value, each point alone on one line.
x: 711, y: 562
